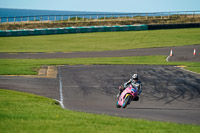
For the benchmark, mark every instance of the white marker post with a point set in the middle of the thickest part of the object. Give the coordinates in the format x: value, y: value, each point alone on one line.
x: 171, y: 53
x: 194, y: 52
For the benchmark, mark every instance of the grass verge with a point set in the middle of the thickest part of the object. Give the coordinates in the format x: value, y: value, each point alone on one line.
x: 78, y: 21
x: 101, y: 41
x: 23, y: 112
x: 30, y: 66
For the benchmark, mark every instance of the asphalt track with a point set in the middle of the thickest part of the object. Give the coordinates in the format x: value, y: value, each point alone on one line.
x: 169, y: 93
x: 184, y: 53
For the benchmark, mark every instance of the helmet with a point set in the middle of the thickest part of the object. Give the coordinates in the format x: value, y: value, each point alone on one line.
x: 135, y: 77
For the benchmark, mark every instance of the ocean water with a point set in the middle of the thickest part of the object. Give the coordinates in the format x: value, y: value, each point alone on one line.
x: 4, y: 12
x: 17, y: 15
x: 7, y: 15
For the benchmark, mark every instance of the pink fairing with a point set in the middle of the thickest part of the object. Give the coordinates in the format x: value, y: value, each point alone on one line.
x: 129, y: 90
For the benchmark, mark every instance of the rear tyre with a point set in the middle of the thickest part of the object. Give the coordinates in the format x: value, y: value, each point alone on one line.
x: 126, y: 101
x: 136, y: 98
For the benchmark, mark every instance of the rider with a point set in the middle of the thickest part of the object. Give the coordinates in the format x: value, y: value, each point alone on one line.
x: 137, y: 84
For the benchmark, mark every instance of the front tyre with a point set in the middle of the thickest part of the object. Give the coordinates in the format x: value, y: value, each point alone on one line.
x: 117, y: 105
x: 126, y: 101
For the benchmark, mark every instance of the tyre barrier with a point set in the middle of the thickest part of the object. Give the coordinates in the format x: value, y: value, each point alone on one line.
x: 88, y: 29
x: 70, y: 30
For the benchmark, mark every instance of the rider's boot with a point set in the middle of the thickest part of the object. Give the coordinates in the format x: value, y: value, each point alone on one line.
x: 140, y: 91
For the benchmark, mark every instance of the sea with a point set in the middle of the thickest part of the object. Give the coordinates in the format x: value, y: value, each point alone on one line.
x: 18, y: 15
x: 6, y: 12
x: 10, y: 15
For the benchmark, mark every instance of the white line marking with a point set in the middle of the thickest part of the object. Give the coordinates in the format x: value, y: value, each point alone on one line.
x: 61, y: 91
x: 189, y: 71
x: 167, y: 59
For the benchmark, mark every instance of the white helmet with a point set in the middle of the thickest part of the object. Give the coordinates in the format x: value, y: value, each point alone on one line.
x: 135, y: 77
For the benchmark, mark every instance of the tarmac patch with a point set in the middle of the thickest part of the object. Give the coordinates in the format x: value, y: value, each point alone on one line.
x: 48, y: 72
x: 44, y: 72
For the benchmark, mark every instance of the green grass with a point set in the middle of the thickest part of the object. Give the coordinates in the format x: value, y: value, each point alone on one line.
x: 22, y: 112
x: 29, y: 66
x: 101, y: 41
x: 194, y: 69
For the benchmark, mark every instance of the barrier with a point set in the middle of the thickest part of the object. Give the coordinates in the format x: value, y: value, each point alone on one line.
x: 70, y: 30
x: 102, y: 16
x: 88, y: 29
x: 173, y: 26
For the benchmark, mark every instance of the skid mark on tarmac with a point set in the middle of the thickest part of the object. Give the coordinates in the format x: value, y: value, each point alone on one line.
x: 169, y: 94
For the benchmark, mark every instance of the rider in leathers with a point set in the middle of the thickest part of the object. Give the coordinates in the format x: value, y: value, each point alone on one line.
x: 137, y: 84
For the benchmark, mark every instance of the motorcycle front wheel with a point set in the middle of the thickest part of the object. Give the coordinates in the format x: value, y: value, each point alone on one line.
x: 126, y: 101
x: 117, y: 105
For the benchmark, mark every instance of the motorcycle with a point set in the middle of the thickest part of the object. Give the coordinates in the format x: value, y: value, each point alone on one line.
x: 129, y: 94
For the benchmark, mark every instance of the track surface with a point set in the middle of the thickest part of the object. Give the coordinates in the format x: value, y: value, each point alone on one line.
x: 169, y: 93
x: 184, y: 53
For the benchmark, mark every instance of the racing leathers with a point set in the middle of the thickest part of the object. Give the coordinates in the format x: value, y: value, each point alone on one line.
x: 137, y: 84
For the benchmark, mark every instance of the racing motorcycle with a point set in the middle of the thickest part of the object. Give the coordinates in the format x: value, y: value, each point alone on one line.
x: 129, y: 94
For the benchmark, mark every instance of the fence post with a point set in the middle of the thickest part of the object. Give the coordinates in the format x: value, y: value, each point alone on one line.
x: 41, y: 19
x: 68, y: 18
x: 0, y: 19
x: 177, y: 15
x: 76, y: 18
x: 168, y: 15
x: 62, y: 18
x: 194, y: 14
x: 7, y: 19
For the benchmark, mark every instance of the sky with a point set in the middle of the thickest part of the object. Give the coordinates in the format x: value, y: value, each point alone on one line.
x: 131, y: 6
